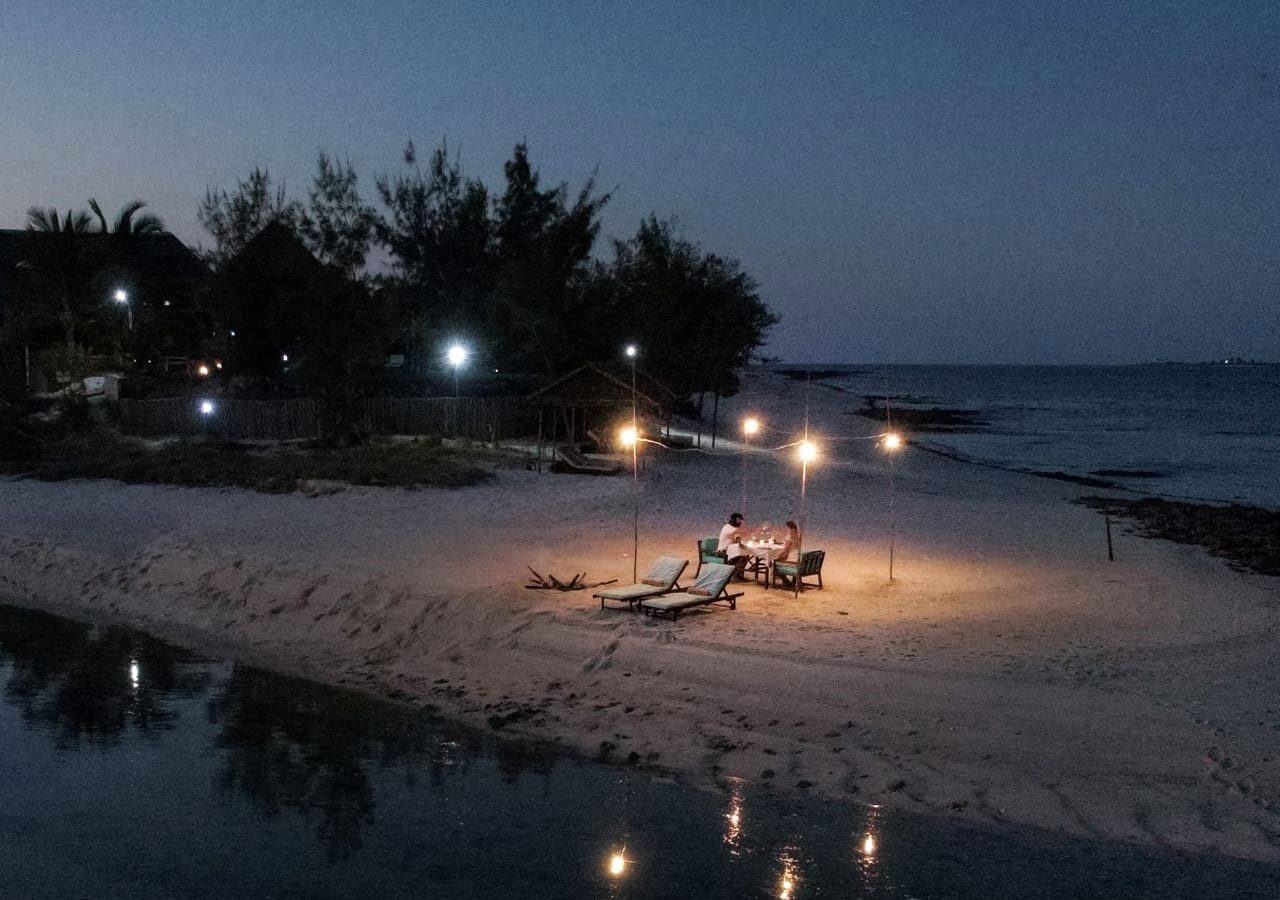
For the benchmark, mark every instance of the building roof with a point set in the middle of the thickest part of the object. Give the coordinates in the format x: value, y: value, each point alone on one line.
x: 148, y: 255
x: 590, y: 385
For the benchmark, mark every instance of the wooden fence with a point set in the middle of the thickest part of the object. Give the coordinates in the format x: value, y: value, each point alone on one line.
x: 475, y: 418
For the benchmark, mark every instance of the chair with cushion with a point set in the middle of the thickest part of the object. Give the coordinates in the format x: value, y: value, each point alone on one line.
x: 663, y: 576
x: 707, y: 553
x: 709, y: 587
x: 808, y: 566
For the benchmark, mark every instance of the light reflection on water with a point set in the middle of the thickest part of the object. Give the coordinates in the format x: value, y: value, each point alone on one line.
x: 177, y: 776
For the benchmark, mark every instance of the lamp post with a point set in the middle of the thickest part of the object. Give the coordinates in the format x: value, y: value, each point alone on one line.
x: 750, y: 426
x: 457, y: 356
x: 807, y: 453
x: 891, y: 444
x: 632, y: 352
x: 631, y: 437
x: 122, y: 297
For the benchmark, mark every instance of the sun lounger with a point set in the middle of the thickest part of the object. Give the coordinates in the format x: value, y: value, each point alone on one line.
x: 663, y: 576
x: 577, y: 463
x: 709, y: 587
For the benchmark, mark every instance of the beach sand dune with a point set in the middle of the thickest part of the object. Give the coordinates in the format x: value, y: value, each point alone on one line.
x: 1008, y: 673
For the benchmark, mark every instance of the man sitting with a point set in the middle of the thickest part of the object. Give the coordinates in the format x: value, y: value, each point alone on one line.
x: 730, y: 544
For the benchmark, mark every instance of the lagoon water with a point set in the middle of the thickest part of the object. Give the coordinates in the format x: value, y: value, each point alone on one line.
x: 1198, y: 431
x: 131, y: 768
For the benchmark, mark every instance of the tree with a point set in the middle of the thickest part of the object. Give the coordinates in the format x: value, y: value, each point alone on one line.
x: 128, y: 221
x: 441, y: 243
x: 61, y: 267
x: 698, y: 315
x: 234, y: 219
x: 337, y: 225
x: 544, y: 248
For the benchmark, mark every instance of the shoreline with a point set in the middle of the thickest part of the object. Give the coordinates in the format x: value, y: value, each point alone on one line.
x: 1008, y: 675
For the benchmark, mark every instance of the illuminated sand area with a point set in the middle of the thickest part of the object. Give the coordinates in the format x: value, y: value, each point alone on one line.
x: 1009, y: 672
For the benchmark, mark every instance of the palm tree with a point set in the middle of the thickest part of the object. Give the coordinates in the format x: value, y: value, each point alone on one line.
x: 128, y: 221
x: 60, y: 264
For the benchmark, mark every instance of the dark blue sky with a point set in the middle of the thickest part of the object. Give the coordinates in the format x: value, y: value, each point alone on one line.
x: 935, y: 182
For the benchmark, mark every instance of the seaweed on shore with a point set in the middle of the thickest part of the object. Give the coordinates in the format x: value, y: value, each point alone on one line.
x: 934, y: 418
x: 1247, y: 536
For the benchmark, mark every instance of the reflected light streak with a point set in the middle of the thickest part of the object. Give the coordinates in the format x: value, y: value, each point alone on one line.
x: 733, y: 819
x: 135, y: 673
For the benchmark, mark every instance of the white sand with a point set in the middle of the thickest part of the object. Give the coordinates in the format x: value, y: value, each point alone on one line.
x: 1009, y: 673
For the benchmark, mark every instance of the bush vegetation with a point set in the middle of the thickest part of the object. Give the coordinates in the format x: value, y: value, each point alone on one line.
x: 53, y: 452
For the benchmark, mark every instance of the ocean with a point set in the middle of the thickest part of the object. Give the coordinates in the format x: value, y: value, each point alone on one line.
x: 1200, y: 432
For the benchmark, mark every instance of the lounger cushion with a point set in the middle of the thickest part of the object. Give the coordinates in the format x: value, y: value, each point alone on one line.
x: 630, y: 592
x: 664, y: 572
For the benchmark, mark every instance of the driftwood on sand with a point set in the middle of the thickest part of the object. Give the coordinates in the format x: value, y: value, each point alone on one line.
x: 552, y: 583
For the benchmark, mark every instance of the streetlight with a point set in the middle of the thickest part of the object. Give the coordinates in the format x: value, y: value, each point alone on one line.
x: 891, y: 442
x: 807, y: 453
x: 456, y: 356
x: 630, y: 437
x: 122, y: 297
x: 631, y: 352
x: 750, y: 426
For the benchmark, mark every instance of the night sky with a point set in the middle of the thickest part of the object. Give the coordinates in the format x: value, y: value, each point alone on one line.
x: 939, y: 182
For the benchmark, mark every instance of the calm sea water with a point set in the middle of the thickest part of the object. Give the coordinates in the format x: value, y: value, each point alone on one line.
x: 132, y: 769
x: 1207, y: 431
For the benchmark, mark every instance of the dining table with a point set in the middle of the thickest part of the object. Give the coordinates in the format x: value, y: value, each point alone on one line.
x: 763, y: 553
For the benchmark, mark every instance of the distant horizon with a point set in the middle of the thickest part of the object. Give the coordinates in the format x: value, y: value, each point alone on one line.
x: 1220, y: 363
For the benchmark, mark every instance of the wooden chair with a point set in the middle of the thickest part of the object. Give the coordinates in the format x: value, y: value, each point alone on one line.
x: 707, y: 553
x: 808, y: 566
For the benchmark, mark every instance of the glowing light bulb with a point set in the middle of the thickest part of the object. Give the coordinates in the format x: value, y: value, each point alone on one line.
x: 457, y: 355
x: 892, y: 441
x: 203, y: 370
x: 628, y: 435
x: 206, y: 407
x: 807, y: 451
x: 617, y: 865
x: 631, y: 351
x: 750, y: 426
x: 869, y: 845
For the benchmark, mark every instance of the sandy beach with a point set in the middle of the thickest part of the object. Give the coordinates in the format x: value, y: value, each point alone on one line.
x: 1008, y: 673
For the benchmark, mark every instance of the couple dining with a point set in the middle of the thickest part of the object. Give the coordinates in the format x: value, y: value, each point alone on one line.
x: 733, y: 544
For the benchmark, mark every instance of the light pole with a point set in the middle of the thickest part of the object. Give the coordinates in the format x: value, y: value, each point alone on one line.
x: 122, y: 297
x: 807, y: 453
x: 631, y: 437
x: 750, y: 426
x: 457, y: 357
x: 891, y: 443
x: 631, y: 352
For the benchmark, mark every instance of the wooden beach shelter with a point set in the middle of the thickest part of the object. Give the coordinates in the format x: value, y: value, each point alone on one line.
x: 590, y: 397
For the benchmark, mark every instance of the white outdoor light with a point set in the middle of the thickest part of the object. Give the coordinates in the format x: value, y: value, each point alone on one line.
x: 892, y: 441
x: 206, y: 407
x: 457, y: 357
x: 284, y: 357
x: 203, y: 371
x: 122, y: 297
x: 631, y: 351
x: 807, y: 452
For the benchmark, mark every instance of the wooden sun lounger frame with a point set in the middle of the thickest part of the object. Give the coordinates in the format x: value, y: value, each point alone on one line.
x: 632, y: 601
x: 578, y: 463
x: 694, y: 601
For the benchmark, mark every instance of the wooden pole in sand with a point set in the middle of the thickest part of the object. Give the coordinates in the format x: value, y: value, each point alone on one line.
x: 635, y: 472
x: 1106, y: 516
